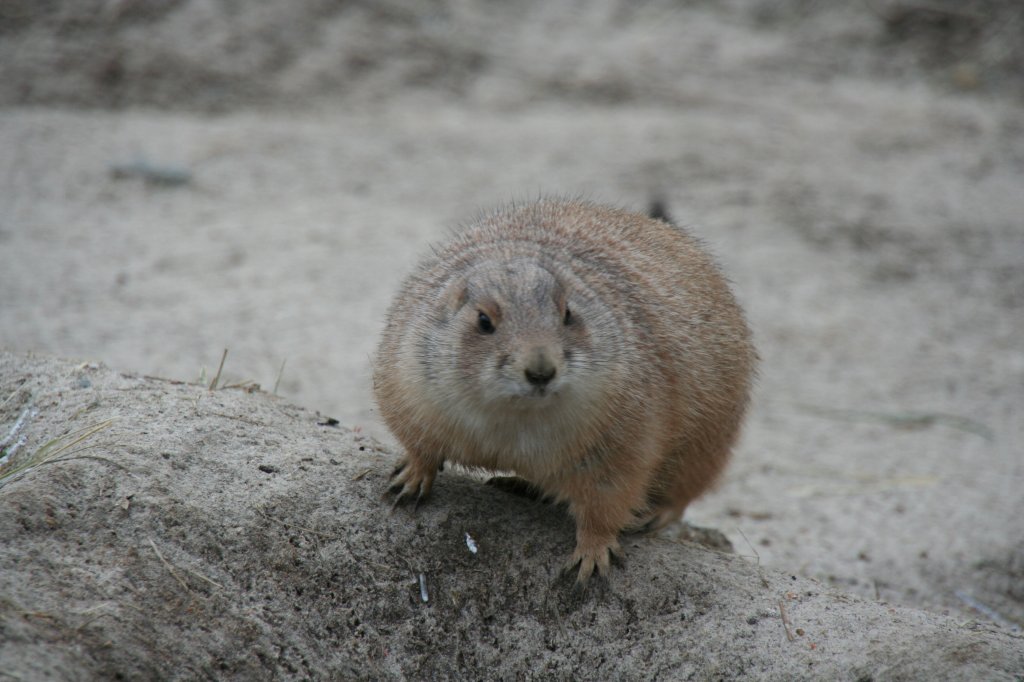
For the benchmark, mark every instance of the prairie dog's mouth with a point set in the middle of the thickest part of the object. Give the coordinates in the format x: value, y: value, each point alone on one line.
x: 528, y: 395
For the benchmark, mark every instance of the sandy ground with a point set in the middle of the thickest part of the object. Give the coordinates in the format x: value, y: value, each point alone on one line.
x: 861, y: 186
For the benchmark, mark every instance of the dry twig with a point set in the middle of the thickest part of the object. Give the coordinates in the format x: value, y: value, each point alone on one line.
x: 785, y: 622
x: 220, y: 368
x: 170, y: 569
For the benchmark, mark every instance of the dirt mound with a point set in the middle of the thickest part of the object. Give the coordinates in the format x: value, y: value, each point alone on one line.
x: 162, y: 530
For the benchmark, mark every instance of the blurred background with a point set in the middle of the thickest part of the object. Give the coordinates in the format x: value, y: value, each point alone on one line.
x: 180, y: 177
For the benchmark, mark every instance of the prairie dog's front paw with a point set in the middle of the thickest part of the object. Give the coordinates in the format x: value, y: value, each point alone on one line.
x: 412, y: 479
x: 593, y: 555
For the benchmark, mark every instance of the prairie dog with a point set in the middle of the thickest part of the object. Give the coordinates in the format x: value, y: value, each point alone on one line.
x: 597, y: 353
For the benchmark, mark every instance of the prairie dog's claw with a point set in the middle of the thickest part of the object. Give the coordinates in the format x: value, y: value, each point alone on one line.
x: 411, y: 478
x: 597, y: 556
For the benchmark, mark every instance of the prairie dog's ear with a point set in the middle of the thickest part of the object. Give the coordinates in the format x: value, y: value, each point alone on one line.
x: 454, y: 297
x: 658, y: 210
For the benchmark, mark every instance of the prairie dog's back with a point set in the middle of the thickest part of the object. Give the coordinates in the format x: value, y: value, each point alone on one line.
x: 596, y: 352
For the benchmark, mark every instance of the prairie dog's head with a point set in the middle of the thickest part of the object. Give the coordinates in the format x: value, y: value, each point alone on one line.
x: 517, y: 332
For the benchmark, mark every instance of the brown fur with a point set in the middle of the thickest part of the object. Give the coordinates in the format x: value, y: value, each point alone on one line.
x: 627, y: 409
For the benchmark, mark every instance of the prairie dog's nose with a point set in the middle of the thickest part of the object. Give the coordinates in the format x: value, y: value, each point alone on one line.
x: 540, y: 369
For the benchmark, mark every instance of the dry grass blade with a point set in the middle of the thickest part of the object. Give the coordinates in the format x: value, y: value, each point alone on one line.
x: 216, y: 379
x: 167, y: 565
x: 52, y: 451
x: 785, y: 622
x: 280, y: 373
x: 757, y: 556
x: 11, y: 396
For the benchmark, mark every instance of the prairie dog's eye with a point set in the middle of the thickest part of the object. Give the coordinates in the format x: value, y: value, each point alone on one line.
x: 568, y: 316
x: 484, y: 324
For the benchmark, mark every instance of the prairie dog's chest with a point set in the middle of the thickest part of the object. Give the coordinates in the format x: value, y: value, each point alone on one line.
x: 533, y: 443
